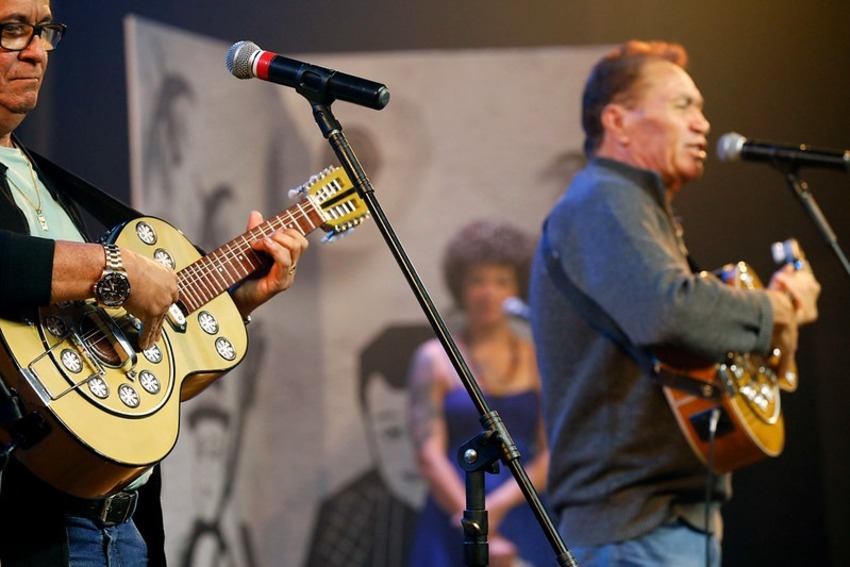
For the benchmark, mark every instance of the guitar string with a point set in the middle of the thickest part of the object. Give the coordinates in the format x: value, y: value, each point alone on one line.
x: 205, y: 272
x: 208, y: 273
x: 226, y: 254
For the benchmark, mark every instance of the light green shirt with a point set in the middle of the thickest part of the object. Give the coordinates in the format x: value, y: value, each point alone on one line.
x: 31, y: 198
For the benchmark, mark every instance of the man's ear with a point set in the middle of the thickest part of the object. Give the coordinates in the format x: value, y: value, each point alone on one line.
x: 614, y: 120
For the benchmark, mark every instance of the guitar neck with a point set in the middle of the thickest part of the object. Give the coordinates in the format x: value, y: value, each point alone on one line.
x: 209, y: 277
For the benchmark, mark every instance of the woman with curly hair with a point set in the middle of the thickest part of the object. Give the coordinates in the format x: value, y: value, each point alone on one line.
x: 484, y: 264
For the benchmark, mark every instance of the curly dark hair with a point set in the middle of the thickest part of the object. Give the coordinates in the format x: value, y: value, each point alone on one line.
x: 487, y: 241
x: 613, y: 79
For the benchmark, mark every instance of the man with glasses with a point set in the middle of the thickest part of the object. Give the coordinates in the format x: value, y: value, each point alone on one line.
x: 46, y: 258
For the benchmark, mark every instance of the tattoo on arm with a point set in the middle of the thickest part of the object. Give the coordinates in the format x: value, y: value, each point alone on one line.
x: 424, y: 409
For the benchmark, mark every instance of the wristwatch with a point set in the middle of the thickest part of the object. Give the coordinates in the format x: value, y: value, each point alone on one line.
x: 113, y: 288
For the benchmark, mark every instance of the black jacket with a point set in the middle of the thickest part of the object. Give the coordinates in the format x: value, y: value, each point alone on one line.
x: 31, y: 516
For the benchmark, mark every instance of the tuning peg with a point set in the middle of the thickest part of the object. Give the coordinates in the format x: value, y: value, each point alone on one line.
x: 298, y: 193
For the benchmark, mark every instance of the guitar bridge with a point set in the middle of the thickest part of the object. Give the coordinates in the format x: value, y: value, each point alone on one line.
x: 116, y: 351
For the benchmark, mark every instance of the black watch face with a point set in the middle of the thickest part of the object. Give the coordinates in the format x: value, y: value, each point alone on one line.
x: 113, y: 289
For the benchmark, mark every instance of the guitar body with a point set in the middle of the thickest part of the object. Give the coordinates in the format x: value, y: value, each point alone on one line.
x: 114, y: 412
x: 98, y: 411
x: 749, y: 424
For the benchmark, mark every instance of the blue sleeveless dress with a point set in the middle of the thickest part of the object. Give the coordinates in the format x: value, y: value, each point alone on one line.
x: 438, y: 543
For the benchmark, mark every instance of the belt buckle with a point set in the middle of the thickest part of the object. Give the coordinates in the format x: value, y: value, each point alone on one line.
x: 117, y: 508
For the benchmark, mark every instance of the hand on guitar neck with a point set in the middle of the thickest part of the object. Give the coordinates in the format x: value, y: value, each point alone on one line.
x: 801, y: 289
x: 793, y: 293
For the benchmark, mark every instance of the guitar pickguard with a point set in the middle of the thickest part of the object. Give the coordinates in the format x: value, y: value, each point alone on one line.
x: 93, y: 353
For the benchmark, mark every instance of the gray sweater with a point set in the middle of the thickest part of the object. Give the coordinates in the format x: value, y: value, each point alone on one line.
x: 620, y: 466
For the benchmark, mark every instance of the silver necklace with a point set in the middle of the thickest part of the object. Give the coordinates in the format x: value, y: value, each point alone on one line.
x: 38, y: 212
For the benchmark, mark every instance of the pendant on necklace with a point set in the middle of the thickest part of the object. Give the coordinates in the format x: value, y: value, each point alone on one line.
x: 42, y: 220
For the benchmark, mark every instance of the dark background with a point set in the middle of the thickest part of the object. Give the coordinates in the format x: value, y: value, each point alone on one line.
x: 772, y: 69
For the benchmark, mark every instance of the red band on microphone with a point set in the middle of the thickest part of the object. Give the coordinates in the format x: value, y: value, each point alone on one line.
x: 263, y: 62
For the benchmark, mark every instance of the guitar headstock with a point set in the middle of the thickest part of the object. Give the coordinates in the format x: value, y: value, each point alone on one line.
x: 335, y: 196
x: 789, y: 252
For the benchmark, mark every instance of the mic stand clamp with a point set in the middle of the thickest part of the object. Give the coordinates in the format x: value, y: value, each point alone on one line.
x: 477, y: 456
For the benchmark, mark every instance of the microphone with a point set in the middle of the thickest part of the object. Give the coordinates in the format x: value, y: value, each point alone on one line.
x: 516, y: 307
x: 245, y: 60
x: 733, y: 146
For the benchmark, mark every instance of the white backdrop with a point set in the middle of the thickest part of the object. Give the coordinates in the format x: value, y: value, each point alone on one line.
x: 467, y: 134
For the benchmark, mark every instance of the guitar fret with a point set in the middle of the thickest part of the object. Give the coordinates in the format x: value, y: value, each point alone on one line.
x: 208, y: 281
x: 215, y: 273
x: 208, y: 289
x: 215, y: 270
x: 288, y: 220
x: 190, y: 279
x: 310, y: 227
x: 190, y: 295
x: 194, y: 282
x: 231, y: 268
x: 305, y: 208
x: 202, y: 286
x: 187, y: 291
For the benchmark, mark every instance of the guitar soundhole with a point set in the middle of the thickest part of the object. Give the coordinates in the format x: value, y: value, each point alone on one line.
x: 98, y: 343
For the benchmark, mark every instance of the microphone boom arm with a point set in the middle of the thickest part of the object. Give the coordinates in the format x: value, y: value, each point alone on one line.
x: 804, y: 196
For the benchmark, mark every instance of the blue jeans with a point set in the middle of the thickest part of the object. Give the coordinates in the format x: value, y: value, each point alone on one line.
x: 671, y: 545
x: 115, y: 546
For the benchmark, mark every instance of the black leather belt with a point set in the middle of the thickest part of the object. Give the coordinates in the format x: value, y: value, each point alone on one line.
x: 110, y: 511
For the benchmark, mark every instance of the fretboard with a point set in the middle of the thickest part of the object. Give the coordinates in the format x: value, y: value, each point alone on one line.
x: 207, y: 278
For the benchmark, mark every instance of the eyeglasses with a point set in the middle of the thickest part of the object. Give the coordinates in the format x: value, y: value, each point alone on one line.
x: 17, y: 36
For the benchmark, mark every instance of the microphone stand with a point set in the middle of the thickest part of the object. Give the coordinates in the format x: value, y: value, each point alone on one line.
x: 800, y: 189
x: 481, y: 453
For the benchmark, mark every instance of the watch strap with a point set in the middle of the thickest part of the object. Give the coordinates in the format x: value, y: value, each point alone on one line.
x: 114, y: 262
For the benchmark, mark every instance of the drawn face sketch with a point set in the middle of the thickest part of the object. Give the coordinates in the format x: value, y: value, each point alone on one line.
x: 387, y: 423
x: 171, y: 184
x: 209, y: 432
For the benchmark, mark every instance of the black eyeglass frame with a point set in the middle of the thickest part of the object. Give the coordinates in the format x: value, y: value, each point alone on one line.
x: 51, y: 40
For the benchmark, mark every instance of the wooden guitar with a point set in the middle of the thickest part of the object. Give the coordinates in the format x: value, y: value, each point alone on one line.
x: 109, y: 410
x: 745, y: 389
